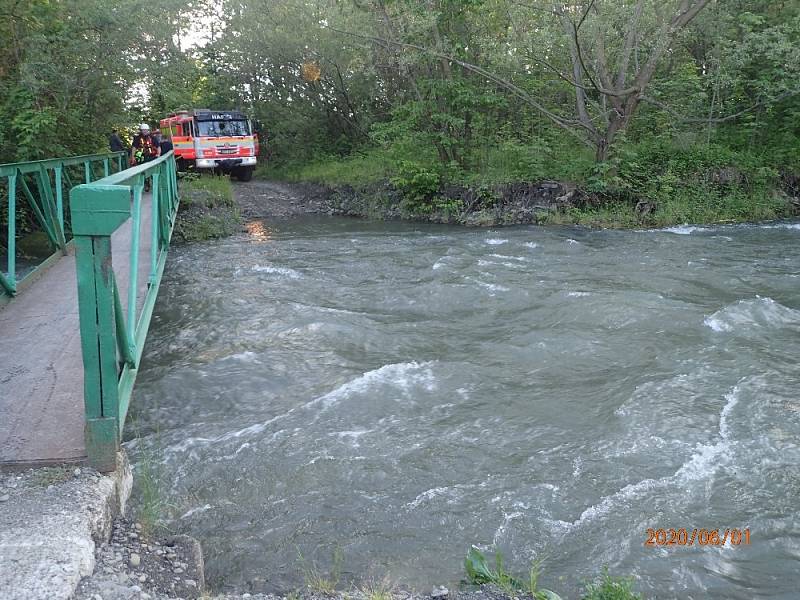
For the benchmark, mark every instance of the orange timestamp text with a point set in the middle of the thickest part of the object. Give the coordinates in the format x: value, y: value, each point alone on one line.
x: 699, y: 537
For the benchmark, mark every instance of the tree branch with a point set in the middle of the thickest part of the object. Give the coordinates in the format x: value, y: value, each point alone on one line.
x: 630, y: 42
x: 684, y: 119
x: 562, y: 122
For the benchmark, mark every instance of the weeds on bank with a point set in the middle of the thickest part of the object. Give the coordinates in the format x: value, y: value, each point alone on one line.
x: 150, y: 512
x: 606, y: 587
x: 611, y: 588
x: 318, y: 582
x: 152, y: 508
x: 357, y: 170
x: 376, y: 590
x: 209, y: 210
x: 207, y: 190
x: 209, y: 226
x: 480, y: 573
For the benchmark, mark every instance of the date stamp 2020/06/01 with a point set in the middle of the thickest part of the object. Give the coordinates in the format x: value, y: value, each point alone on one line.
x: 697, y: 537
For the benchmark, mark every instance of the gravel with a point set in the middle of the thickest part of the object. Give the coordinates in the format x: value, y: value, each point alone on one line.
x: 135, y: 566
x: 265, y: 199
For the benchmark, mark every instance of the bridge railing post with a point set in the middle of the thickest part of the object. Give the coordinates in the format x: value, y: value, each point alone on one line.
x: 112, y: 341
x: 96, y: 213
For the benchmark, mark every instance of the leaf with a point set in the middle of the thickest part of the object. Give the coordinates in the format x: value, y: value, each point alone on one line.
x: 477, y: 568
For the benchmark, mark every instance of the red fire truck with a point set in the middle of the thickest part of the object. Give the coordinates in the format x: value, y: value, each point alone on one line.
x: 222, y: 140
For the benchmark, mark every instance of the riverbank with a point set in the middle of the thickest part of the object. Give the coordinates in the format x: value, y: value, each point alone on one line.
x: 664, y: 186
x: 536, y: 203
x: 135, y: 564
x: 207, y: 210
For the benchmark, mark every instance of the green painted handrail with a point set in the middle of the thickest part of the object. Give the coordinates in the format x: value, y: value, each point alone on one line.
x: 51, y: 163
x: 112, y: 339
x: 45, y: 201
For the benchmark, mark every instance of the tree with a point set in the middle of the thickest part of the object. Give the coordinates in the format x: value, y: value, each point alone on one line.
x: 611, y: 81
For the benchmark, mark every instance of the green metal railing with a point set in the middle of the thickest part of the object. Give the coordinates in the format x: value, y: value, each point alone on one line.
x: 112, y: 339
x: 42, y: 183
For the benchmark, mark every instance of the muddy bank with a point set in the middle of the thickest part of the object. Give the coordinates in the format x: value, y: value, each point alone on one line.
x: 512, y: 204
x: 265, y: 199
x: 541, y: 202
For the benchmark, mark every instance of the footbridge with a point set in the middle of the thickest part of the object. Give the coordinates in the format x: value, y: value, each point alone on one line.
x: 74, y: 317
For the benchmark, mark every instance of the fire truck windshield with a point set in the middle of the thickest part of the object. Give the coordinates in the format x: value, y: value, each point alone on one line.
x: 222, y: 128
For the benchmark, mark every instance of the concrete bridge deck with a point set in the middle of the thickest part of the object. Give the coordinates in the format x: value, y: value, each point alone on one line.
x: 41, y: 367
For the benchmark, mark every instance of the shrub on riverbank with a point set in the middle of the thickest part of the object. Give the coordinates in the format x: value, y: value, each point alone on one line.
x: 207, y: 209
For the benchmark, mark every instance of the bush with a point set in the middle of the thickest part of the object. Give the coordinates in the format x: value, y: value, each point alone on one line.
x: 418, y: 183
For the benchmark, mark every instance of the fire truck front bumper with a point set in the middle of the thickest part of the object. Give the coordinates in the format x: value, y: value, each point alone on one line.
x: 226, y: 164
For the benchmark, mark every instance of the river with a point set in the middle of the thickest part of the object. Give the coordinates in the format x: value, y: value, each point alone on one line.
x: 392, y: 393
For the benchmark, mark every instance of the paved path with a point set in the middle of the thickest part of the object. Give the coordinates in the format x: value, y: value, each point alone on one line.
x: 41, y: 369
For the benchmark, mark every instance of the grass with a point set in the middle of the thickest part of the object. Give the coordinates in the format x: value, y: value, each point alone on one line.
x: 47, y: 476
x: 376, y: 590
x: 687, y: 206
x: 208, y: 208
x: 151, y: 509
x: 318, y: 581
x: 209, y: 226
x: 611, y: 588
x: 152, y: 506
x: 479, y: 572
x: 206, y: 190
x: 357, y: 170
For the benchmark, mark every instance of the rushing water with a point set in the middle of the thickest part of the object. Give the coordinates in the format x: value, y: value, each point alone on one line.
x: 399, y: 392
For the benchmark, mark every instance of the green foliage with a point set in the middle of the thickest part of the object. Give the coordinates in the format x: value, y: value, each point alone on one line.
x: 480, y: 573
x: 401, y: 110
x: 208, y: 227
x: 356, y: 170
x: 208, y: 210
x: 418, y: 183
x: 209, y: 191
x: 611, y: 588
x: 65, y: 70
x: 151, y: 509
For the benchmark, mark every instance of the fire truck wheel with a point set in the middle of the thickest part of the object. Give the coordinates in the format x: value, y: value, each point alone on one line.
x: 244, y: 173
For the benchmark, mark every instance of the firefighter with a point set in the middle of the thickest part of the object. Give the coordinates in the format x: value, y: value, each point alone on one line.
x: 144, y: 147
x: 115, y: 142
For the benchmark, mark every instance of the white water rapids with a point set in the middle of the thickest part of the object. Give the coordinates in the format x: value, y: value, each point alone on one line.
x: 400, y: 392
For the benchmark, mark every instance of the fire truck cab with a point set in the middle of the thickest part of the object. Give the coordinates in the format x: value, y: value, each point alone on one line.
x: 222, y: 140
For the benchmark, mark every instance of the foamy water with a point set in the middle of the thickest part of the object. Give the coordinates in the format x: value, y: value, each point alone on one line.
x: 750, y: 315
x: 402, y: 392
